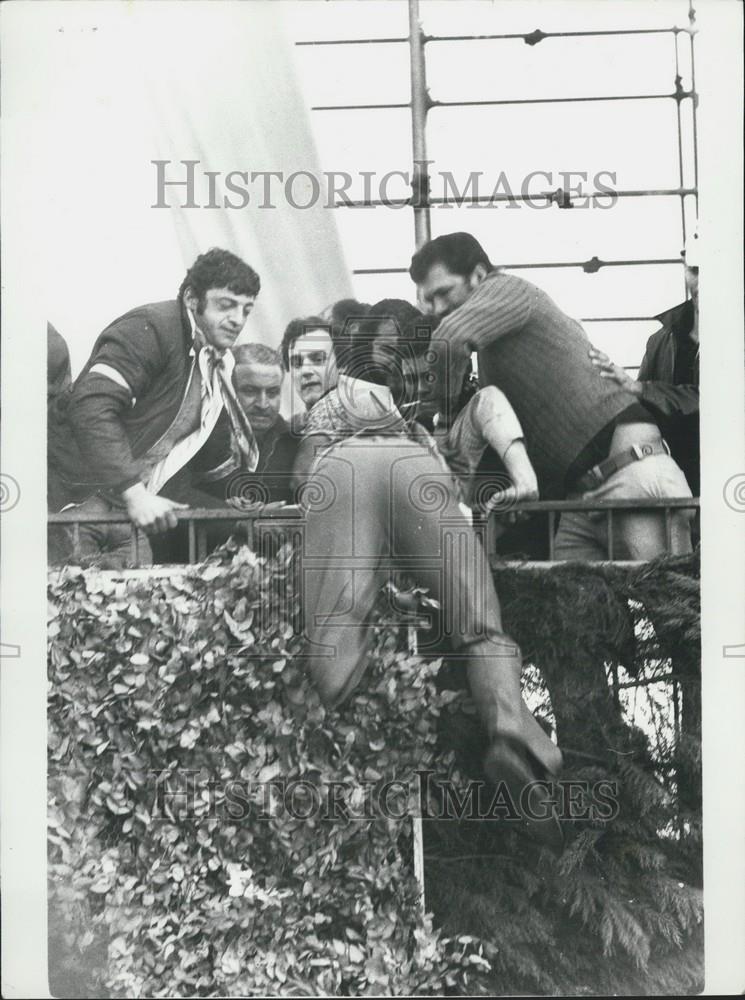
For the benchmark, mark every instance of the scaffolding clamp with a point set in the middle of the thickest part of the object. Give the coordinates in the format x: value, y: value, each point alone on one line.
x: 593, y: 265
x: 560, y: 197
x: 535, y: 37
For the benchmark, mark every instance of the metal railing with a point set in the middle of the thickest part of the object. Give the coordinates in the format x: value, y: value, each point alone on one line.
x: 249, y: 524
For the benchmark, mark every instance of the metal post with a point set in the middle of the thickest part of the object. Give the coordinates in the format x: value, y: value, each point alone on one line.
x: 192, y: 542
x: 419, y: 103
x: 668, y: 531
x: 694, y: 98
x: 678, y: 114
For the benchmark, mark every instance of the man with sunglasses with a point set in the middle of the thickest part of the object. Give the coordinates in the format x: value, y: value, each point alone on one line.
x: 307, y: 350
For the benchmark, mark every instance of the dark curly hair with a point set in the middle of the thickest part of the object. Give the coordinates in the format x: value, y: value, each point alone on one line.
x: 413, y: 332
x: 219, y: 269
x: 460, y: 253
x: 414, y: 328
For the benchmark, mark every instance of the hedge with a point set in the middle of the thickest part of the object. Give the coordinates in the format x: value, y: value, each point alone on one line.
x: 174, y: 700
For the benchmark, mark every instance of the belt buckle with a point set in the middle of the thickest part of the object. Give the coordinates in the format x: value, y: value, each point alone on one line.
x: 595, y: 476
x: 641, y: 451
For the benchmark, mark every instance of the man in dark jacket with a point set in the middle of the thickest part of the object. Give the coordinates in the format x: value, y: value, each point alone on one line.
x: 257, y: 379
x: 667, y: 381
x: 148, y: 400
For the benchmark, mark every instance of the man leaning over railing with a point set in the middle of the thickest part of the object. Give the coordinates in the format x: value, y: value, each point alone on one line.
x: 148, y: 400
x: 587, y: 437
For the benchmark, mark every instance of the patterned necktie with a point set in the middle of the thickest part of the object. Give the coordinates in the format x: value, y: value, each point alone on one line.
x: 215, y: 370
x: 243, y: 434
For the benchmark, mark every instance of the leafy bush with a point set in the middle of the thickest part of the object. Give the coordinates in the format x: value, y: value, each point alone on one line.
x: 177, y: 703
x: 174, y: 702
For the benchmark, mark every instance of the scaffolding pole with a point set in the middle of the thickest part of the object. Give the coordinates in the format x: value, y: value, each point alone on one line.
x: 419, y: 99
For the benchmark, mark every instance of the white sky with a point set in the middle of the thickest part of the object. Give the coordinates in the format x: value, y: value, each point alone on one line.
x: 115, y: 96
x: 635, y: 140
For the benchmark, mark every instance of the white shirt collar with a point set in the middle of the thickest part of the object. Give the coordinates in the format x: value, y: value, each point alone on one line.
x: 198, y: 340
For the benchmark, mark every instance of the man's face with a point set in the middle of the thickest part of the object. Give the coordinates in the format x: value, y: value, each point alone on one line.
x: 221, y: 315
x: 385, y: 344
x: 258, y: 389
x: 419, y: 381
x: 442, y: 291
x: 312, y: 365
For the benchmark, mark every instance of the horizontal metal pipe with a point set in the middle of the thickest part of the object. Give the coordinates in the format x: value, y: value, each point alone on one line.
x: 540, y: 35
x: 361, y: 107
x: 351, y: 41
x: 485, y: 198
x: 293, y: 513
x: 501, y: 103
x: 168, y: 571
x: 517, y: 267
x: 194, y: 514
x: 618, y: 319
x: 524, y: 36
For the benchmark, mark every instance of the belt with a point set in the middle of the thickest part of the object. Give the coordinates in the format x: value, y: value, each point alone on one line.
x: 601, y: 472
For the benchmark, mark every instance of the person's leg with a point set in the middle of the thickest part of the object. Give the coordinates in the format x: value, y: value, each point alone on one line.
x: 642, y: 535
x: 386, y: 504
x: 578, y: 537
x: 389, y: 504
x: 103, y: 544
x: 342, y: 569
x: 444, y: 552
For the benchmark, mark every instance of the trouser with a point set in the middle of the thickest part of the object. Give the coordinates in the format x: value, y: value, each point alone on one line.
x: 104, y: 544
x: 376, y: 506
x: 636, y: 534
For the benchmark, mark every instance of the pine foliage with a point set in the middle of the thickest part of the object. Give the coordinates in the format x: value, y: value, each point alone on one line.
x: 620, y: 909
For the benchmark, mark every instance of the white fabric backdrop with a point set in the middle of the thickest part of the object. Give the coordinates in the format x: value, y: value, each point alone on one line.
x: 125, y: 84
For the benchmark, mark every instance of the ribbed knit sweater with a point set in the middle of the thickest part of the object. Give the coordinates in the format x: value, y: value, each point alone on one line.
x: 538, y: 357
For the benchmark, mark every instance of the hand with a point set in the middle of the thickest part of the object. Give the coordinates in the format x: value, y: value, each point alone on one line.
x: 524, y: 483
x: 148, y: 511
x: 524, y: 488
x: 609, y: 369
x: 250, y: 506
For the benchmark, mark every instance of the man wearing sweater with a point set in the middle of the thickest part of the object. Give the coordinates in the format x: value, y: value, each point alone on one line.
x: 586, y: 437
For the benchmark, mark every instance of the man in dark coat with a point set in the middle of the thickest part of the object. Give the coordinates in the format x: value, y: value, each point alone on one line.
x: 257, y: 379
x: 668, y: 377
x: 147, y: 402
